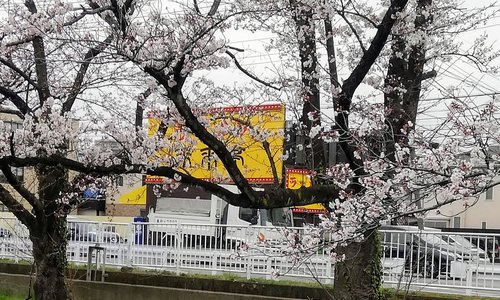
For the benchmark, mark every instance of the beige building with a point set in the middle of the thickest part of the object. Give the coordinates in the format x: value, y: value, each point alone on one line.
x: 126, y: 196
x: 481, y: 212
x: 111, y: 206
x: 25, y: 175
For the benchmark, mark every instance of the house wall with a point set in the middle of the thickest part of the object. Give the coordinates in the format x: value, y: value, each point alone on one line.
x: 124, y: 210
x: 119, y: 207
x: 478, y: 210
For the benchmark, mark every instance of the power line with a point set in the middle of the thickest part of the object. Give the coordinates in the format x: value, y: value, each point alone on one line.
x: 461, y: 96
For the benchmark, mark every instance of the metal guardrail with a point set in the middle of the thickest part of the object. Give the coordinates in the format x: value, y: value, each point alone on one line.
x: 463, y: 262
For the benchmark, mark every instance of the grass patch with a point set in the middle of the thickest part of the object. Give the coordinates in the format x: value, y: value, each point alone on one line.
x: 12, y: 261
x: 390, y: 294
x: 8, y: 296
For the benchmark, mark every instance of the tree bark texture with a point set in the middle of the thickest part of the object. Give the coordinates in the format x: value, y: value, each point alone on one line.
x: 359, y: 275
x: 49, y: 236
x: 49, y: 252
x: 306, y: 41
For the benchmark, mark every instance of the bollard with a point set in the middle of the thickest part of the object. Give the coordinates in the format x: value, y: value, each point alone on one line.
x: 468, y: 280
x: 98, y: 250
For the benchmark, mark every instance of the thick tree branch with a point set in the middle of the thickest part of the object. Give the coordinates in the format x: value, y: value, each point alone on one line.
x: 196, y: 7
x: 15, y: 99
x: 21, y: 213
x: 261, y: 199
x: 40, y: 60
x: 429, y: 75
x: 330, y: 50
x: 139, y: 109
x: 27, y: 195
x: 80, y: 76
x: 214, y: 8
x: 121, y: 13
x: 368, y: 59
x: 354, y: 80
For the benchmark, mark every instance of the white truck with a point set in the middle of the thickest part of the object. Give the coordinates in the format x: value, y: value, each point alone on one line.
x: 208, y: 220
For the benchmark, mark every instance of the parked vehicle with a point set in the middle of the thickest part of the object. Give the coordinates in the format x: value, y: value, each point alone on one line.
x: 88, y: 232
x: 491, y: 245
x: 429, y: 252
x: 487, y: 240
x: 208, y: 209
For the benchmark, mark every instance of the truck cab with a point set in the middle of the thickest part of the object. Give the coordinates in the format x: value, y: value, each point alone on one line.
x: 210, y: 216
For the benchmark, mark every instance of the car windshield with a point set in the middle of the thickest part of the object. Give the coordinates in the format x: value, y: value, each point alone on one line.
x: 458, y: 240
x: 83, y: 227
x: 433, y: 239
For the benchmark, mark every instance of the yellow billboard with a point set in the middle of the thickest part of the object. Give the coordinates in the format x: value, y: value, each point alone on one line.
x: 296, y: 178
x: 242, y: 129
x: 135, y: 196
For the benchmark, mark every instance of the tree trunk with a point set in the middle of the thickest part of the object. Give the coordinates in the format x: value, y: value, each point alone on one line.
x: 49, y: 252
x: 358, y: 276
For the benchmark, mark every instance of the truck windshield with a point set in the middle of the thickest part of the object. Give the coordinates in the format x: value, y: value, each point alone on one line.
x: 280, y: 216
x: 266, y: 217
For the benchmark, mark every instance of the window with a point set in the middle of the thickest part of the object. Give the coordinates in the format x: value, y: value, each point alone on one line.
x: 249, y: 215
x: 18, y: 172
x: 483, y: 225
x: 436, y: 224
x: 489, y: 194
x: 12, y: 126
x: 456, y: 222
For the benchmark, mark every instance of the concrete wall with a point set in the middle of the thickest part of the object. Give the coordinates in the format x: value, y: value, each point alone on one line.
x: 83, y: 290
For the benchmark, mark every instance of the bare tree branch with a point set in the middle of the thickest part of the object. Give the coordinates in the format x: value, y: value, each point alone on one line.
x: 214, y: 8
x: 244, y: 71
x: 86, y: 12
x: 354, y: 31
x: 20, y: 72
x: 274, y: 171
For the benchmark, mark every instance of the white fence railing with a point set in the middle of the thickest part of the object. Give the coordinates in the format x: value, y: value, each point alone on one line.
x: 469, y: 261
x: 441, y: 259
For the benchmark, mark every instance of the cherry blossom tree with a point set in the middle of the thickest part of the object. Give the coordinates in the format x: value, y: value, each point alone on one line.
x: 57, y: 67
